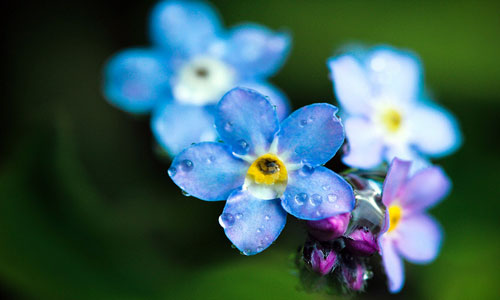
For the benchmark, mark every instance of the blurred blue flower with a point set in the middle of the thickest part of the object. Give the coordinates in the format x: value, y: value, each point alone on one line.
x: 409, y: 232
x: 386, y: 112
x: 192, y: 63
x: 265, y: 169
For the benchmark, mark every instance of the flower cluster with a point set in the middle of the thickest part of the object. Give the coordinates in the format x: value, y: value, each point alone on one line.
x: 232, y: 139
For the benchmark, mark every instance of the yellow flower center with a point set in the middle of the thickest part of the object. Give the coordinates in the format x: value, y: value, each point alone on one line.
x: 395, y: 214
x: 268, y: 169
x: 392, y: 119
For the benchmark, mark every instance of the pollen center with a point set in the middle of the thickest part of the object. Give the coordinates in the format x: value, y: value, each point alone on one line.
x: 267, y: 177
x: 392, y: 119
x: 268, y: 169
x: 395, y: 213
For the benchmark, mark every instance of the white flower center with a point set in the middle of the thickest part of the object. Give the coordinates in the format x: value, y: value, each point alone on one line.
x: 203, y: 80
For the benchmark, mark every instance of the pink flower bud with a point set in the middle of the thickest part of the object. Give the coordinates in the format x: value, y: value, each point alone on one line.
x: 330, y: 228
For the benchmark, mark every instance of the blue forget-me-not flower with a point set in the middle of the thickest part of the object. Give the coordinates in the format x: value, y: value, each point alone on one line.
x: 192, y: 63
x: 265, y: 169
x: 386, y: 111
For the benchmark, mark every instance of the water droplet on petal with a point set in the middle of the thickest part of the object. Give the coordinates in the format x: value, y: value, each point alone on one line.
x: 186, y: 165
x: 184, y: 193
x: 318, y: 213
x: 259, y: 230
x: 228, y: 126
x: 306, y: 170
x: 260, y: 249
x: 310, y: 119
x: 172, y: 171
x: 210, y: 159
x: 238, y: 216
x: 226, y: 220
x: 326, y: 187
x: 303, y: 123
x: 267, y: 217
x: 316, y: 199
x: 301, y: 198
x: 367, y: 275
x: 332, y: 198
x: 243, y: 145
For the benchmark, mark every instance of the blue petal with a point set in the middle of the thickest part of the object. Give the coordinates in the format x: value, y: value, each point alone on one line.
x: 184, y: 27
x: 396, y: 178
x: 177, y: 126
x: 276, y: 96
x: 351, y: 84
x: 365, y: 144
x: 434, y: 130
x: 425, y: 189
x: 136, y: 79
x: 252, y: 224
x: 393, y: 265
x: 257, y: 51
x: 247, y: 121
x: 419, y: 238
x: 311, y: 135
x: 317, y: 193
x: 208, y: 171
x: 394, y: 72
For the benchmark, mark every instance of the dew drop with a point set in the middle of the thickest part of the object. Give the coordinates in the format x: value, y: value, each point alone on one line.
x: 186, y: 194
x: 318, y: 213
x: 172, y: 171
x: 259, y: 230
x: 332, y: 198
x: 226, y: 220
x: 239, y: 215
x: 306, y: 170
x: 326, y: 187
x: 267, y: 217
x: 243, y: 145
x: 228, y: 126
x: 316, y: 199
x: 186, y: 165
x: 310, y: 119
x: 303, y: 123
x: 259, y: 249
x: 210, y: 159
x: 301, y: 198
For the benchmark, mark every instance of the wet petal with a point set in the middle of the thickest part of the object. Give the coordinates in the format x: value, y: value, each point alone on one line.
x: 246, y: 120
x: 257, y: 51
x: 184, y: 27
x: 276, y: 96
x: 311, y: 134
x: 419, y: 238
x: 393, y: 265
x: 252, y: 224
x: 395, y: 179
x: 177, y: 126
x: 317, y: 193
x: 425, y: 189
x: 434, y: 131
x: 365, y: 145
x: 208, y: 171
x: 136, y: 79
x: 394, y: 72
x: 351, y: 84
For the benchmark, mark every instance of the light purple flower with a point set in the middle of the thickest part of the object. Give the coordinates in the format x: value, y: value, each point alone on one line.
x: 409, y: 232
x: 386, y: 112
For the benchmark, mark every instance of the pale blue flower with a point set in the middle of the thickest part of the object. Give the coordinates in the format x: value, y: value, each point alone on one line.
x: 386, y: 112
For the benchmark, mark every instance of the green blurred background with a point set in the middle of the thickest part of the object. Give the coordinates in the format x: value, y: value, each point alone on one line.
x: 87, y: 210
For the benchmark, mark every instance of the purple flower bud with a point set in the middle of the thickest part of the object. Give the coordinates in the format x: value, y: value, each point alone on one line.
x: 330, y: 228
x: 362, y: 242
x: 354, y: 276
x: 322, y: 264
